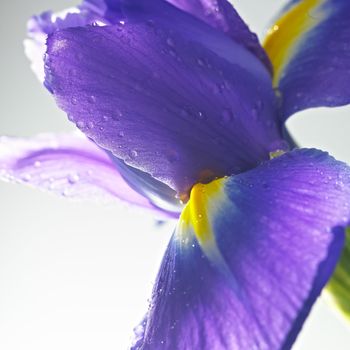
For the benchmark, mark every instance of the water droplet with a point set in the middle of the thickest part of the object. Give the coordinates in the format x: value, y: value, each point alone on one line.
x: 26, y: 177
x: 172, y: 156
x: 81, y: 124
x: 71, y: 117
x: 133, y: 154
x: 73, y: 178
x: 150, y: 23
x: 172, y: 53
x: 105, y: 118
x: 121, y: 134
x: 201, y: 115
x: 217, y: 89
x: 92, y: 99
x: 170, y: 42
x: 74, y: 101
x: 66, y: 192
x: 200, y: 62
x: 117, y: 116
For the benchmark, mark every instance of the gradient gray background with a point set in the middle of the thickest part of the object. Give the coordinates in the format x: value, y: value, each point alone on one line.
x: 77, y: 275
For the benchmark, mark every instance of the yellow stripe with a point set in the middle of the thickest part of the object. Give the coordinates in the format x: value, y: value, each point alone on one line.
x: 197, y: 209
x: 205, y: 201
x: 284, y: 36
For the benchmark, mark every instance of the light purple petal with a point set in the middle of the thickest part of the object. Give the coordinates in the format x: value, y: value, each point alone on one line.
x: 250, y: 256
x: 69, y: 165
x: 310, y: 49
x: 40, y: 26
x: 162, y: 103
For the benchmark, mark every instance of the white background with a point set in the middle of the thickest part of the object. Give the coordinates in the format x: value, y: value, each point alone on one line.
x: 78, y: 275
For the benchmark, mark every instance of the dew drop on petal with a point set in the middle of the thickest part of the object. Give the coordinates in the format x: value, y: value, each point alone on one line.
x: 71, y: 117
x: 80, y: 124
x: 172, y: 53
x: 133, y: 154
x: 73, y: 178
x: 201, y: 115
x: 66, y: 192
x: 92, y: 99
x: 200, y: 62
x: 172, y: 156
x: 170, y: 42
x: 26, y: 177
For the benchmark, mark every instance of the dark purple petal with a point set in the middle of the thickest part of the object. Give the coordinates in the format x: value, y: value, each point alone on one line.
x: 163, y: 104
x: 309, y: 47
x: 69, y: 165
x: 221, y: 15
x: 164, y: 15
x: 250, y: 256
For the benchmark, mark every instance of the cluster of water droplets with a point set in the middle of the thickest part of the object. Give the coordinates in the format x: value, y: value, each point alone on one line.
x: 59, y: 181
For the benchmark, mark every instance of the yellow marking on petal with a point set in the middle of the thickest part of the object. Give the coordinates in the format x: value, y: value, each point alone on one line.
x: 285, y: 35
x: 277, y: 153
x: 206, y: 201
x: 197, y: 209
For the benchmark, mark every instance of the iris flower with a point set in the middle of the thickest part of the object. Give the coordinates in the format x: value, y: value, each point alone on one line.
x: 183, y: 113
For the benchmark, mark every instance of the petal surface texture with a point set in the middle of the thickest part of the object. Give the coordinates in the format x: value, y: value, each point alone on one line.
x: 250, y: 255
x: 69, y: 165
x: 220, y: 15
x: 164, y: 104
x: 309, y: 47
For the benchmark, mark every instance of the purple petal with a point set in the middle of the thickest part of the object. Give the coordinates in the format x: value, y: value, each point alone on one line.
x: 164, y: 15
x: 250, y: 256
x: 163, y: 104
x: 309, y: 49
x: 38, y: 27
x: 158, y: 193
x: 69, y: 165
x: 221, y: 15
